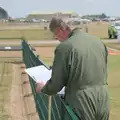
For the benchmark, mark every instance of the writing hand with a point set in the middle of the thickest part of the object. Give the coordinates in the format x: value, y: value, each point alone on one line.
x: 39, y: 86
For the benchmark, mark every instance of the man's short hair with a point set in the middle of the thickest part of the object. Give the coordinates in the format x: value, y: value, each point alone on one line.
x: 55, y: 22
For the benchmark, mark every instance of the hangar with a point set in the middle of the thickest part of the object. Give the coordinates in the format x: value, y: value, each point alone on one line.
x: 3, y: 14
x: 48, y: 15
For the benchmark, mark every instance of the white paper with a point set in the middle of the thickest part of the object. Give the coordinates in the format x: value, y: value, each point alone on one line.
x: 40, y: 74
x: 62, y: 91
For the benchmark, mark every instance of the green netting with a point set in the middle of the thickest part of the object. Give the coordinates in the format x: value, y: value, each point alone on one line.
x: 59, y: 111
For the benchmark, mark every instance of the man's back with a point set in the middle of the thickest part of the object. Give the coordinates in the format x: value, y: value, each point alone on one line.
x: 86, y: 89
x: 87, y: 60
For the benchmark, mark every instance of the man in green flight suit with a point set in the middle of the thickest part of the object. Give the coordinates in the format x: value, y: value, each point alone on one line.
x: 80, y: 64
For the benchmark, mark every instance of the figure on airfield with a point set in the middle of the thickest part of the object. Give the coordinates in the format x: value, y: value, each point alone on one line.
x: 80, y: 64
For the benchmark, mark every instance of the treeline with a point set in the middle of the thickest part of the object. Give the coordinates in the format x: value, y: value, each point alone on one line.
x: 99, y: 16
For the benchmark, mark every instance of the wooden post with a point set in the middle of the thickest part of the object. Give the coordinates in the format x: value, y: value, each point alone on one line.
x: 49, y: 107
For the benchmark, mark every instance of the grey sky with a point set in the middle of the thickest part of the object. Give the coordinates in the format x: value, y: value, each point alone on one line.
x: 21, y: 8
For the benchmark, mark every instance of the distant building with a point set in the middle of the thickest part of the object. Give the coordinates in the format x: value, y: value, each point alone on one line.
x: 3, y: 14
x: 48, y: 16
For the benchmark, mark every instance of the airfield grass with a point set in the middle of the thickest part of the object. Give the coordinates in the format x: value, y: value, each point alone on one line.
x: 99, y: 29
x: 5, y: 86
x: 113, y: 81
x: 114, y: 85
x: 28, y: 34
x: 113, y: 45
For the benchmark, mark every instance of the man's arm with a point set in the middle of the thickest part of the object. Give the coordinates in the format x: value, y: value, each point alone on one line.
x: 59, y: 72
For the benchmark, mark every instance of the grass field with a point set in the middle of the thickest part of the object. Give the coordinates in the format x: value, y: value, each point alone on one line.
x: 99, y: 29
x: 113, y: 45
x: 5, y: 87
x: 114, y: 85
x: 28, y: 34
x: 113, y: 81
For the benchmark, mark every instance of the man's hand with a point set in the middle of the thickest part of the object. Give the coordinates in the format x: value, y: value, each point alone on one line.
x: 39, y: 86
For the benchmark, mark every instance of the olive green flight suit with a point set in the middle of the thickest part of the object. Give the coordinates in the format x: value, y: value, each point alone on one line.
x: 80, y: 64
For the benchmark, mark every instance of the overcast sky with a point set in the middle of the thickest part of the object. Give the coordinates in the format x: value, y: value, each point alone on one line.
x: 21, y: 8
